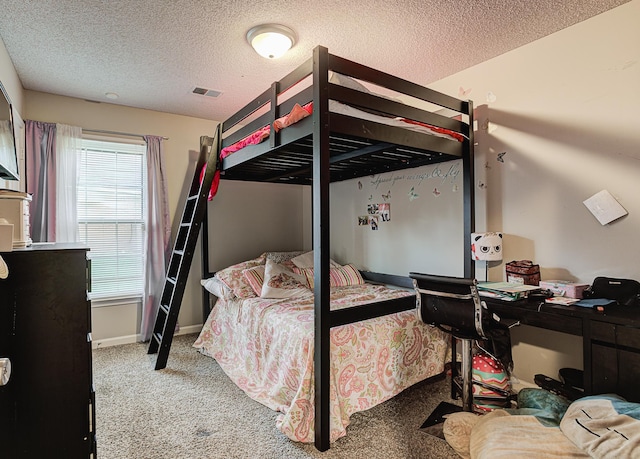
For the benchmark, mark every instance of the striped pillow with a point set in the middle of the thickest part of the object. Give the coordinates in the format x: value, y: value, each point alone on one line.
x: 255, y: 278
x: 341, y: 276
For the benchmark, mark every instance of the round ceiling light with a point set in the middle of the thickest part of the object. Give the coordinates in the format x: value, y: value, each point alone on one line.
x: 271, y: 40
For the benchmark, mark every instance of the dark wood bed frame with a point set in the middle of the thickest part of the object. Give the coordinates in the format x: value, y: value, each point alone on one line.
x: 328, y: 147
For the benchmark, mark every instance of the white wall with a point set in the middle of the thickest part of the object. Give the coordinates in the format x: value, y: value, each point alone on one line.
x: 564, y: 110
x: 566, y: 114
x: 244, y: 221
x: 425, y: 229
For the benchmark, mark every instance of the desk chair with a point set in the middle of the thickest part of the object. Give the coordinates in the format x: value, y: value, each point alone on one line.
x: 454, y: 305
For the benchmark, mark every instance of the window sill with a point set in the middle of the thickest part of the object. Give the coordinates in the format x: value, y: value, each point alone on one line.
x: 116, y: 301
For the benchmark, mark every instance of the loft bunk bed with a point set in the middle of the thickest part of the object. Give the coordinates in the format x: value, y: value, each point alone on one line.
x: 347, y: 132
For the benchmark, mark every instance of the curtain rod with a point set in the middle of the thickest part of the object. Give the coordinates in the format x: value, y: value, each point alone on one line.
x: 99, y: 131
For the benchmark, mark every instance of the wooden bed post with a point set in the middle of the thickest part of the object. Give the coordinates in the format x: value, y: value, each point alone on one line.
x: 320, y: 226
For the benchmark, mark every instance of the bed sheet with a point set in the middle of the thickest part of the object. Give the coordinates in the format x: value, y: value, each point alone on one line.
x: 266, y: 347
x: 301, y: 112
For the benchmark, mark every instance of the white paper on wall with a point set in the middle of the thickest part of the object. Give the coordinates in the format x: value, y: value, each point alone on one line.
x: 605, y: 207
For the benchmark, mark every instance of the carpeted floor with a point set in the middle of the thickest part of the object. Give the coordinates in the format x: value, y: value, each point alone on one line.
x: 192, y: 410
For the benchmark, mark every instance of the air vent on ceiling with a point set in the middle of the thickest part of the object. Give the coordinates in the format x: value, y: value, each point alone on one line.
x: 206, y: 92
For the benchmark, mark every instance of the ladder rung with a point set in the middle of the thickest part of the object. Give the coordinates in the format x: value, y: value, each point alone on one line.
x: 164, y: 308
x: 192, y: 197
x: 158, y: 337
x: 172, y: 280
x: 178, y: 252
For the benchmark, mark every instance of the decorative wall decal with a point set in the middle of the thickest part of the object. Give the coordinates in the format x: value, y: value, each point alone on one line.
x: 363, y: 220
x: 451, y: 173
x: 387, y: 196
x: 463, y: 92
x: 501, y: 156
x: 486, y: 165
x: 359, y: 185
x: 491, y: 97
x: 384, y: 209
x: 372, y: 209
x: 436, y: 192
x: 481, y: 185
x: 455, y: 188
x: 370, y: 197
x: 412, y: 194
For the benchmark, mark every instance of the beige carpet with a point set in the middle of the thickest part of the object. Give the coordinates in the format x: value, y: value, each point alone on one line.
x: 192, y: 410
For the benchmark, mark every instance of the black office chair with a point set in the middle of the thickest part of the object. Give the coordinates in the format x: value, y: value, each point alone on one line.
x: 454, y: 305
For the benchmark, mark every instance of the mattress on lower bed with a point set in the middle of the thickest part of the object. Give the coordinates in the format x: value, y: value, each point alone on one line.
x: 266, y: 347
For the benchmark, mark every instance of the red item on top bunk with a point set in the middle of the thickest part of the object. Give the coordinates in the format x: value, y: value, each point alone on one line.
x: 214, y: 185
x: 439, y: 130
x: 297, y: 113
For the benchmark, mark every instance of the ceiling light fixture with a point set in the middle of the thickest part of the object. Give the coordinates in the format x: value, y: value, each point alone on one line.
x: 111, y: 95
x: 271, y: 40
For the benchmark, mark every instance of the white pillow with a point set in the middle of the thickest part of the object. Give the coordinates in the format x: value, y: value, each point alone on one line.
x: 216, y: 287
x: 347, y: 82
x: 280, y: 282
x: 306, y: 261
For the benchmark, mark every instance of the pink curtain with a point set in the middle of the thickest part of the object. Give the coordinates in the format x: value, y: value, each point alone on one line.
x: 40, y: 152
x: 158, y: 235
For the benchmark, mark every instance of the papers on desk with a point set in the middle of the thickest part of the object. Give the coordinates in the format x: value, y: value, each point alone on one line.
x: 507, y: 291
x: 562, y: 300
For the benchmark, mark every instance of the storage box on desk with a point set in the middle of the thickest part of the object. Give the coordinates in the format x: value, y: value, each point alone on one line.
x: 523, y: 272
x: 564, y: 288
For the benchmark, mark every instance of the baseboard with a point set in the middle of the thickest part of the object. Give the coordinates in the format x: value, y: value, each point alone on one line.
x: 130, y: 339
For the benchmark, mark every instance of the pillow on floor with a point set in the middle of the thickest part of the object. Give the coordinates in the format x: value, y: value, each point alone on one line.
x: 604, y: 426
x: 457, y: 431
x: 499, y: 435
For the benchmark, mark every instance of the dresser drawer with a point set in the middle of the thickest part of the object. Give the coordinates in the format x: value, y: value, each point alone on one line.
x: 628, y: 337
x: 603, y: 331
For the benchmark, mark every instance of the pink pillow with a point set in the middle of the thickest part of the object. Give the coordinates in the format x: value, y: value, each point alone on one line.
x: 296, y: 114
x: 232, y: 277
x: 255, y: 277
x: 342, y: 276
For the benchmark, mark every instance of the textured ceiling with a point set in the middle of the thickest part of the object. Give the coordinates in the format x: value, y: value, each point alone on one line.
x: 153, y: 53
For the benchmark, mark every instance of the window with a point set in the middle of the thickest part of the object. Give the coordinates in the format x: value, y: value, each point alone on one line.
x: 111, y: 209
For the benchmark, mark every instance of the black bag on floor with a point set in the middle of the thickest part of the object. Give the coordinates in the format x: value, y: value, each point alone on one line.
x: 625, y: 292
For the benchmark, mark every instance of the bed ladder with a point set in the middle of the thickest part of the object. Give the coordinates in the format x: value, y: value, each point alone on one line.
x: 193, y: 215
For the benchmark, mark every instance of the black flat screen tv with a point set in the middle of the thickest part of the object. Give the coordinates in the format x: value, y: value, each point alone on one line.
x: 8, y: 153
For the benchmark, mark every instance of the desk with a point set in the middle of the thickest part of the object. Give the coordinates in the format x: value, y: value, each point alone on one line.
x: 611, y: 340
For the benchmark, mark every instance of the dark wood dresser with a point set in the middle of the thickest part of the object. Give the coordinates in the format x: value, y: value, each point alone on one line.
x: 47, y: 407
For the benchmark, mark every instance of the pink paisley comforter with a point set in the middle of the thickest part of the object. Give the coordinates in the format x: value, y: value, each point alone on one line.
x: 266, y: 347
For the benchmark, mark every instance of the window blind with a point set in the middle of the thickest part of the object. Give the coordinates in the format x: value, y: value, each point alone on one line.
x: 111, y: 209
